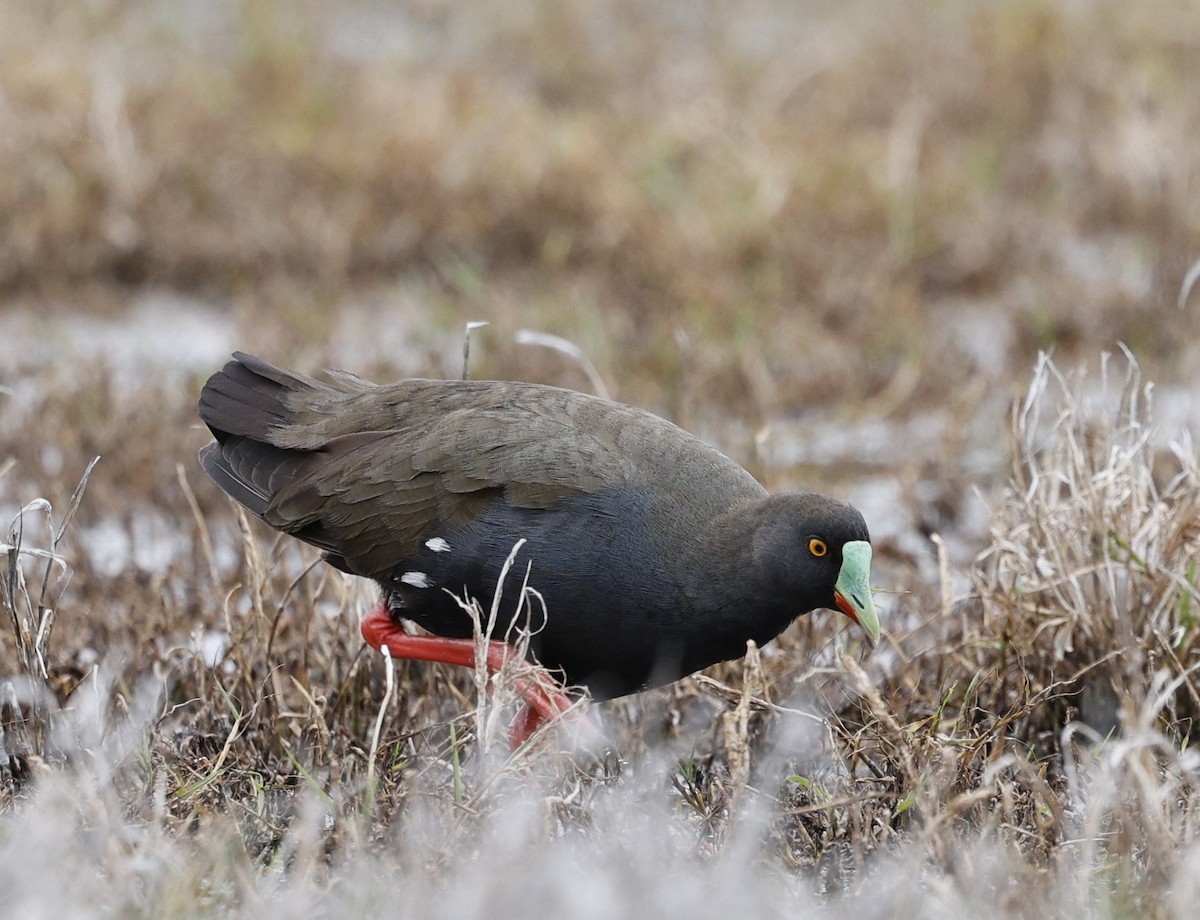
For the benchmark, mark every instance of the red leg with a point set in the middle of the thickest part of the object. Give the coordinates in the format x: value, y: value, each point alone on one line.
x: 527, y: 722
x: 544, y: 700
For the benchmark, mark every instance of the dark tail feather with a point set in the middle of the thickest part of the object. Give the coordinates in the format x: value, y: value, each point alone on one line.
x: 246, y: 398
x: 250, y: 471
x: 238, y: 489
x: 242, y: 404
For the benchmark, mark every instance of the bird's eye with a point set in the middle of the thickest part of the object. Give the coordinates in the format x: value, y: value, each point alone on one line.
x: 817, y: 547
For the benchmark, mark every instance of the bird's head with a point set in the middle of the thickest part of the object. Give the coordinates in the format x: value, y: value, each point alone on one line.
x: 815, y: 551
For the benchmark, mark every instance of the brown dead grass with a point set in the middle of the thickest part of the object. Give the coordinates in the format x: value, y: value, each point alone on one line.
x: 1048, y: 716
x: 766, y: 178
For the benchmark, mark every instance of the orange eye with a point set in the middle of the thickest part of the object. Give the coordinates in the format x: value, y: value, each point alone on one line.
x: 817, y: 547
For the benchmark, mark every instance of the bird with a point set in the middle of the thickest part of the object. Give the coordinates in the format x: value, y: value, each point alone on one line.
x: 648, y: 554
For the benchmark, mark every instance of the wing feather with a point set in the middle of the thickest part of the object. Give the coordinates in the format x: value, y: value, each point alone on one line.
x: 368, y: 473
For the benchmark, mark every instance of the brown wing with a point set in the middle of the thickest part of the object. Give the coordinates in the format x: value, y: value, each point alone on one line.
x: 368, y: 472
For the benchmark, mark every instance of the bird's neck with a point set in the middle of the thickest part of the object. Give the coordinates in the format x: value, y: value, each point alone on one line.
x: 727, y: 561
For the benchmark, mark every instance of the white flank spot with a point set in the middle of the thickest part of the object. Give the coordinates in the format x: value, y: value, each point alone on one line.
x: 416, y: 579
x: 438, y: 545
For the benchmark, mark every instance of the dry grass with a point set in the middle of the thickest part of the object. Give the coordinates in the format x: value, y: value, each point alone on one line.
x: 1019, y: 751
x: 761, y: 176
x: 834, y: 217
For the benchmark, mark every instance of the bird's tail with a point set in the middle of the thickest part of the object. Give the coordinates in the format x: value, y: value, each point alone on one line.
x: 248, y: 398
x: 246, y: 405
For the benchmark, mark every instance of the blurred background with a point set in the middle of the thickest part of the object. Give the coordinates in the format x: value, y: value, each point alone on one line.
x: 830, y: 237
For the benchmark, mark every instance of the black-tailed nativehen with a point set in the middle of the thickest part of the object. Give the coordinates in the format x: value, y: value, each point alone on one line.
x: 653, y: 554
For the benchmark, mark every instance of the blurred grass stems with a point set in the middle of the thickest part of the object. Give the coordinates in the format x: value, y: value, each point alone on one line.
x: 32, y: 620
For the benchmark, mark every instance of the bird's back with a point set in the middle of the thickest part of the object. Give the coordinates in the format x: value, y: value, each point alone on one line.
x: 367, y: 472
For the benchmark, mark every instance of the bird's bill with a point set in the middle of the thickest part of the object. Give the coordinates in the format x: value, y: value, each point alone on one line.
x: 852, y: 590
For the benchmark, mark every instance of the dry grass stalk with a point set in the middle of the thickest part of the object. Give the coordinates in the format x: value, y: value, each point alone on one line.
x: 976, y: 725
x: 735, y: 730
x: 32, y: 619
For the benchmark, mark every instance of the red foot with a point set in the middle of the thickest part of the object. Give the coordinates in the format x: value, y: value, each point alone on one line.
x: 543, y: 698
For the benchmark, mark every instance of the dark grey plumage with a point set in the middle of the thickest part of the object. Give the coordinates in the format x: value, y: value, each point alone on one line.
x: 655, y: 553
